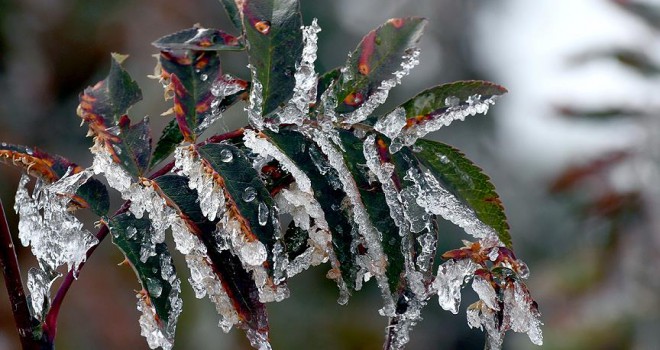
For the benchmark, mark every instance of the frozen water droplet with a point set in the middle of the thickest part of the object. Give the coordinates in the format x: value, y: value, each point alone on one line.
x: 204, y: 77
x: 249, y: 194
x: 263, y: 213
x: 392, y: 124
x: 452, y: 101
x: 130, y: 232
x: 443, y: 158
x: 493, y: 254
x: 154, y: 287
x: 226, y: 156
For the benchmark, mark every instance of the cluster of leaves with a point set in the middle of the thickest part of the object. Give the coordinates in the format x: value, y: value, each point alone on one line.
x: 220, y: 196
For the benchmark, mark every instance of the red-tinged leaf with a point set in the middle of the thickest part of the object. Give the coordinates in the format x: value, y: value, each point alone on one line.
x: 273, y: 31
x: 199, y: 39
x: 50, y: 168
x: 576, y: 174
x: 134, y: 147
x: 375, y: 59
x: 236, y: 281
x: 306, y: 155
x: 103, y: 104
x: 160, y: 287
x: 467, y: 182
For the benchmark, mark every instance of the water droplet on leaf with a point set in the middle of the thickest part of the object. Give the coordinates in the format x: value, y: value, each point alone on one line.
x: 249, y: 194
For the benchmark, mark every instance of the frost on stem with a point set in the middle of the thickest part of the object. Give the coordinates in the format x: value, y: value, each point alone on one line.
x: 54, y: 234
x: 409, y: 61
x: 456, y: 110
x: 304, y: 92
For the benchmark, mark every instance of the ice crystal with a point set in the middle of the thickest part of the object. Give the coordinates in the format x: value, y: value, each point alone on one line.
x: 149, y: 325
x: 38, y: 283
x: 409, y: 61
x: 222, y: 88
x: 211, y: 195
x: 449, y: 280
x: 479, y: 315
x: 254, y: 107
x: 54, y: 234
x: 486, y: 292
x: 392, y: 123
x: 474, y: 104
x: 520, y: 313
x: 304, y: 92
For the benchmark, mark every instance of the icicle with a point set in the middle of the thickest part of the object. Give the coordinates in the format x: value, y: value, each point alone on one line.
x: 304, y: 92
x: 149, y: 327
x: 55, y: 235
x: 455, y: 111
x: 410, y: 60
x: 448, y: 282
x: 520, y: 315
x: 486, y: 292
x: 258, y: 340
x: 254, y: 108
x: 39, y: 283
x: 438, y: 201
x: 479, y: 315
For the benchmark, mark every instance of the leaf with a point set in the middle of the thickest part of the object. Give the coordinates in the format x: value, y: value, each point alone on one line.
x: 374, y: 201
x: 199, y: 39
x: 272, y: 29
x: 161, y: 287
x: 295, y: 241
x: 233, y: 12
x: 466, y: 181
x: 236, y: 281
x: 377, y: 56
x: 50, y: 168
x: 309, y: 159
x: 172, y: 136
x: 103, y: 104
x: 133, y: 146
x: 433, y: 101
x: 239, y: 179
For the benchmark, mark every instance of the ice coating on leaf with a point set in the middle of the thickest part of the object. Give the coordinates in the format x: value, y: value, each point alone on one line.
x: 264, y: 148
x: 409, y: 61
x: 223, y: 87
x: 38, y: 283
x: 399, y: 332
x: 383, y: 173
x: 55, y: 235
x: 449, y: 280
x: 375, y: 261
x: 149, y: 327
x: 392, y: 123
x: 486, y: 292
x: 258, y: 340
x: 438, y: 201
x: 474, y: 104
x: 520, y: 313
x: 307, y: 215
x: 211, y: 195
x: 254, y: 107
x: 304, y: 91
x: 479, y: 315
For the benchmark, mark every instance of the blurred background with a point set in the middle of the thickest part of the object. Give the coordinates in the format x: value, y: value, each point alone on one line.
x: 573, y: 150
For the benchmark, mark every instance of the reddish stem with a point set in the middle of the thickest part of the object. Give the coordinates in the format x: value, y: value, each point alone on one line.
x: 25, y: 324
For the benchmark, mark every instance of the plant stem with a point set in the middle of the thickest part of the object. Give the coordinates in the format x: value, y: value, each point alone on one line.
x: 25, y: 324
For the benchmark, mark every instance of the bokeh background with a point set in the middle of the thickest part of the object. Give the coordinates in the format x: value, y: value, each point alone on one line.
x: 573, y: 149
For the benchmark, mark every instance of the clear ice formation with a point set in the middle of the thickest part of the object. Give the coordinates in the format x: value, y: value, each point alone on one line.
x: 449, y: 280
x: 38, y: 283
x: 474, y: 104
x: 55, y: 236
x: 254, y: 107
x: 409, y: 61
x: 304, y: 92
x: 223, y: 87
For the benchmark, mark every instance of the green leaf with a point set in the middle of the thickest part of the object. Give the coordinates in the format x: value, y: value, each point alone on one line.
x: 199, y: 39
x: 327, y: 190
x: 374, y: 201
x: 377, y: 56
x: 95, y: 194
x: 433, y: 101
x: 104, y: 103
x: 466, y: 181
x: 129, y: 235
x: 236, y: 281
x: 232, y: 11
x: 245, y: 191
x: 273, y: 32
x: 295, y: 241
x: 132, y: 146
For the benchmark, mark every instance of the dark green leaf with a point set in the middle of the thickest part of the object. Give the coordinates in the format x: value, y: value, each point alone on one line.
x: 132, y: 146
x: 374, y: 201
x: 95, y: 194
x: 272, y: 29
x: 199, y: 39
x: 327, y: 190
x: 375, y: 59
x: 237, y: 282
x: 167, y: 143
x: 295, y: 241
x: 104, y: 103
x: 467, y: 182
x: 240, y: 179
x: 129, y: 234
x: 233, y: 12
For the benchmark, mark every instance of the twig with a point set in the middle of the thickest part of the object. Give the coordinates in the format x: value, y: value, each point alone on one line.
x: 25, y: 324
